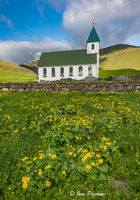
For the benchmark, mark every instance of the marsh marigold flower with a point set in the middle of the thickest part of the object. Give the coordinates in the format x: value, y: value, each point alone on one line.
x: 105, y: 147
x: 70, y: 153
x: 48, y: 183
x: 25, y: 181
x: 41, y: 156
x: 97, y: 163
x: 16, y: 131
x: 48, y: 167
x: 98, y: 156
x: 23, y: 159
x: 53, y: 156
x: 92, y: 163
x: 88, y: 166
x: 40, y: 172
x: 34, y: 158
x: 63, y: 172
x: 101, y: 161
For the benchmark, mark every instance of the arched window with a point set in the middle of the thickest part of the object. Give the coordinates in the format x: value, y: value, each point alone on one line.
x: 53, y: 72
x: 62, y: 72
x: 90, y: 70
x: 80, y: 71
x: 44, y: 72
x: 71, y: 71
x: 92, y: 46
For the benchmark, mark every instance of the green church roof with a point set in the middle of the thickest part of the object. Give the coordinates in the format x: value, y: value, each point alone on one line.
x: 63, y: 58
x: 93, y: 37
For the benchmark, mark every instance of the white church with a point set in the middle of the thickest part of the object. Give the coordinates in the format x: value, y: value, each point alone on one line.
x: 74, y: 64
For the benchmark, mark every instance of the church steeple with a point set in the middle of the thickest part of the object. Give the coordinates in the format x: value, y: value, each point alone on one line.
x: 93, y: 36
x: 93, y: 41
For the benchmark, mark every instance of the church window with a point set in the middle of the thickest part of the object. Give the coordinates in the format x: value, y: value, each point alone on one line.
x: 53, y: 72
x: 62, y: 71
x: 92, y: 46
x: 80, y: 72
x: 71, y: 71
x: 44, y: 72
x: 90, y: 70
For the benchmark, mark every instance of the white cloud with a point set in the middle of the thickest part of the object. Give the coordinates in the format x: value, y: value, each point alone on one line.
x: 115, y: 20
x: 40, y: 4
x: 6, y: 20
x: 59, y: 5
x: 24, y: 51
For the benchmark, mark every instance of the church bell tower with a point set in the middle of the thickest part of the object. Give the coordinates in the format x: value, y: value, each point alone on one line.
x: 93, y: 42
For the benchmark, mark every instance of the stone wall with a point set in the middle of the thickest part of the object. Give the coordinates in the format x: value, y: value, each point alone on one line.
x: 112, y: 86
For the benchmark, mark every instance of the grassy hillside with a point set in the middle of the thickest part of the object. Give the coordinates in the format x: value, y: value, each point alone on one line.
x: 120, y: 57
x: 126, y: 72
x: 10, y: 72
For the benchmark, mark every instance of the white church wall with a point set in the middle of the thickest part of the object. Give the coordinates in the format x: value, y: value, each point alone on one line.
x: 66, y: 72
x: 96, y: 47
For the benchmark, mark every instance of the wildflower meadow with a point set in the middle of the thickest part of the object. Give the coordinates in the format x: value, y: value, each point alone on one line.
x: 71, y: 145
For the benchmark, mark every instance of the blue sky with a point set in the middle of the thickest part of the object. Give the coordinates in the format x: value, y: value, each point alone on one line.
x: 28, y: 23
x: 29, y: 27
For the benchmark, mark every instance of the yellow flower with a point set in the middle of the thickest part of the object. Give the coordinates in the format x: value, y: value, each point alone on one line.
x: 50, y: 154
x: 74, y: 155
x: 101, y: 161
x: 25, y: 181
x: 48, y: 184
x: 40, y: 151
x: 108, y: 143
x: 92, y: 153
x: 85, y: 150
x: 105, y: 147
x: 97, y: 163
x: 53, y: 156
x: 88, y: 138
x: 9, y: 117
x: 92, y: 163
x: 83, y: 159
x: 109, y: 126
x: 34, y: 158
x: 77, y: 138
x: 98, y: 156
x: 29, y: 162
x: 16, y: 131
x: 96, y: 149
x: 114, y: 142
x: 70, y: 153
x: 40, y: 172
x: 104, y: 139
x: 41, y: 156
x: 24, y: 128
x: 63, y: 172
x: 48, y: 167
x: 23, y: 159
x: 24, y: 185
x: 88, y: 166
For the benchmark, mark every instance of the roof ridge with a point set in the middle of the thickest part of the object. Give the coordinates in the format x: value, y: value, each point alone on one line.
x: 63, y: 51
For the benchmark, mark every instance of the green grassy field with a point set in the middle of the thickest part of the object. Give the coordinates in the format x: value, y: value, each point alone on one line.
x: 127, y: 72
x: 10, y: 72
x: 61, y: 145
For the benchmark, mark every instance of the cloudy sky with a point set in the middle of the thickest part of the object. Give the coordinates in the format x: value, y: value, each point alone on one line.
x: 30, y: 27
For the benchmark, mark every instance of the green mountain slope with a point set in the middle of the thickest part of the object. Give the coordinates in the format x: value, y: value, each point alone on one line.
x: 120, y: 57
x: 10, y: 72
